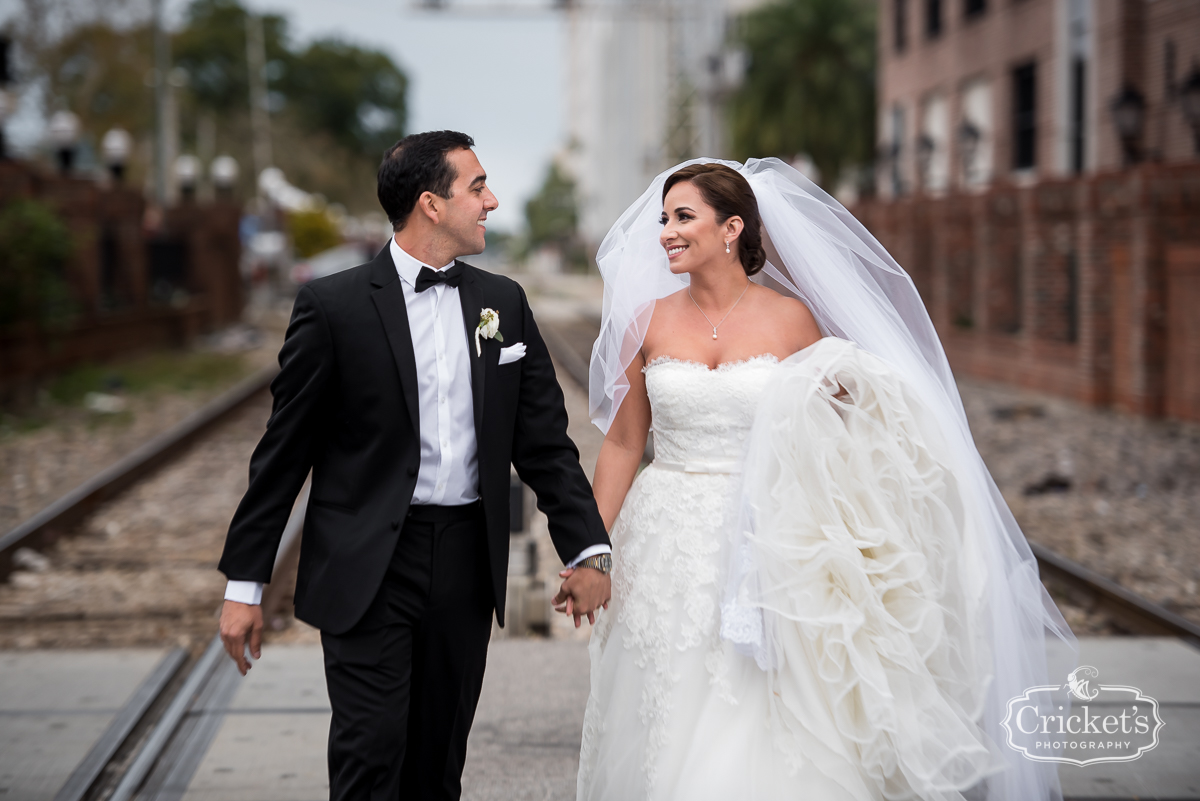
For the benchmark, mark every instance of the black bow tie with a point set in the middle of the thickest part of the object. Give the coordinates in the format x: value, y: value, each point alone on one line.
x: 451, y: 276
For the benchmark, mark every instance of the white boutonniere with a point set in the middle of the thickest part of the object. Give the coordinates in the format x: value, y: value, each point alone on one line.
x: 488, y: 328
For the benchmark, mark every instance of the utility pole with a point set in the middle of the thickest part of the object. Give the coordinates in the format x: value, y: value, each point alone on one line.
x: 162, y: 68
x: 260, y: 122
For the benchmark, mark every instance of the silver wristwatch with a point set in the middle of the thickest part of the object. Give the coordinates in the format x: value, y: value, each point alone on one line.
x: 601, y: 562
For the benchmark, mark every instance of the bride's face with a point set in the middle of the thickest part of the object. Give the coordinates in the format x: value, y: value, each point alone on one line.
x: 691, y: 235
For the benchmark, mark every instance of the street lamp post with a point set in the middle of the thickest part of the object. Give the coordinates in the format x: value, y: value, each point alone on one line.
x: 1129, y: 116
x: 1189, y: 101
x: 224, y: 173
x: 116, y: 147
x: 63, y: 132
x: 187, y: 172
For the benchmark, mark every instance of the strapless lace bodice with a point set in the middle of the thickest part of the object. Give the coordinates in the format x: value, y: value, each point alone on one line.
x: 703, y: 416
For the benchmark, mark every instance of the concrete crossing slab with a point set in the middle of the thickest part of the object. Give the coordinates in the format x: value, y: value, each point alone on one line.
x: 54, y: 705
x: 1167, y: 670
x: 271, y: 737
x: 270, y: 745
x: 524, y: 745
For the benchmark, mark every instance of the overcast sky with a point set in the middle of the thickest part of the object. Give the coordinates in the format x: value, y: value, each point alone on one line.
x: 495, y: 77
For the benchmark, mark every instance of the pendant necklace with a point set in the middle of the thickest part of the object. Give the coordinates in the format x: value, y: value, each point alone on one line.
x: 731, y: 308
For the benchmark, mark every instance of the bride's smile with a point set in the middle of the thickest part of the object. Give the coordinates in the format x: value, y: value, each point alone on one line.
x: 695, y: 237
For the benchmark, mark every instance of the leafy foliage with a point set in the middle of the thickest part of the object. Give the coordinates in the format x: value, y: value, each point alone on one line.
x: 34, y: 248
x: 312, y: 232
x: 552, y: 216
x: 334, y: 105
x: 354, y: 94
x: 100, y: 74
x: 212, y: 48
x: 810, y: 84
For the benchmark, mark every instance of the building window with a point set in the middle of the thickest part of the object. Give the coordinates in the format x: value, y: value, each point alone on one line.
x: 933, y: 18
x: 896, y: 151
x: 1024, y: 116
x: 900, y: 21
x: 1169, y: 70
x: 1078, y: 113
x: 974, y: 8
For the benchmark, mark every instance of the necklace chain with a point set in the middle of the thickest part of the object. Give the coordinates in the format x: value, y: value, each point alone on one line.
x: 731, y: 308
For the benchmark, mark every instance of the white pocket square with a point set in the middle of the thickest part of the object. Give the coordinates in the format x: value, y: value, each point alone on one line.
x: 512, y: 353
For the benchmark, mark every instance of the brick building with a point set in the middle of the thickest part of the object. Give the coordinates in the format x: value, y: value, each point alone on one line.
x: 1052, y: 251
x: 131, y: 287
x: 977, y: 91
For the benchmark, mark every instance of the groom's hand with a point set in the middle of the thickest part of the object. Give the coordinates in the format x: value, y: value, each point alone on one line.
x: 242, y: 623
x: 583, y: 593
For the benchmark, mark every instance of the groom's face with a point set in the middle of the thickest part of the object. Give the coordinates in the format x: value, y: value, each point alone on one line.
x: 468, y: 205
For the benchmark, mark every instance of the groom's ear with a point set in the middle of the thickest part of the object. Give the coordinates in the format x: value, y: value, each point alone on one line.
x: 431, y: 206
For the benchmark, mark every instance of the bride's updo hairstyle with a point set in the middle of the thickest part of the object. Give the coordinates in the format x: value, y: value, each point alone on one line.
x: 729, y: 194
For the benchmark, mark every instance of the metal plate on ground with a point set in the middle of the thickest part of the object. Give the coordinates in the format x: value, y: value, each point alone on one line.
x: 54, y: 705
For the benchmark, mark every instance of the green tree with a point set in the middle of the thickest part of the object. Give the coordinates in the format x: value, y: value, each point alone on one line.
x: 99, y: 73
x: 34, y: 248
x: 552, y: 216
x: 354, y: 94
x: 212, y: 48
x: 810, y: 84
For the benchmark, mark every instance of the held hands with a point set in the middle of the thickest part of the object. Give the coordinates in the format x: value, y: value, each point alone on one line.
x: 583, y: 593
x: 241, y: 624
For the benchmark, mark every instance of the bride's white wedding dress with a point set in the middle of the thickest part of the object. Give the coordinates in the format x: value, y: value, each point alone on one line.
x: 872, y: 675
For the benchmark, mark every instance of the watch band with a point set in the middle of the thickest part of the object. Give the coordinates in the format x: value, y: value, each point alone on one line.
x: 601, y: 562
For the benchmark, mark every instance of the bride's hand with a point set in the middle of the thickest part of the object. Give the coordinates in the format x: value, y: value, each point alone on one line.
x: 566, y: 602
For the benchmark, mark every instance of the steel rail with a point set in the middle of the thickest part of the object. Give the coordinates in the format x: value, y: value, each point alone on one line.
x: 92, y: 765
x: 44, y: 526
x: 1127, y: 608
x: 205, y: 671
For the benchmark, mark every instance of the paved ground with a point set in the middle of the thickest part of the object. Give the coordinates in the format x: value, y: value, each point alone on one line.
x: 270, y: 728
x: 54, y: 705
x: 524, y: 745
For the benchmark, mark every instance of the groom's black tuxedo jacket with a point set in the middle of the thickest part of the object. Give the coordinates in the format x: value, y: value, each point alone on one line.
x: 345, y: 405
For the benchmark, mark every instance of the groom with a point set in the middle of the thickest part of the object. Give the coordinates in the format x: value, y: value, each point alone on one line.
x: 409, y: 409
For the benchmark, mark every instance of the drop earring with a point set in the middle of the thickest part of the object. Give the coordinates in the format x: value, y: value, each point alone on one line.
x: 727, y: 246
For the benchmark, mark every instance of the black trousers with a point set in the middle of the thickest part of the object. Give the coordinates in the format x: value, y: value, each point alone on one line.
x: 404, y: 682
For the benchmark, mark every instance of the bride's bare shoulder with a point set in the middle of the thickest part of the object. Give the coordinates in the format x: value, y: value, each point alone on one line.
x: 789, y: 314
x: 668, y: 306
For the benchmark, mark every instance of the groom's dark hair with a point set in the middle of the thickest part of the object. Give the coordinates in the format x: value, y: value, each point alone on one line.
x: 415, y: 165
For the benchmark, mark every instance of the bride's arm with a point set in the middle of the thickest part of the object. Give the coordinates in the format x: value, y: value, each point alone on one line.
x: 623, y: 447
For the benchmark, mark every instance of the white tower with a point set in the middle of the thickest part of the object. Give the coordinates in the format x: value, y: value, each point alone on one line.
x: 646, y: 81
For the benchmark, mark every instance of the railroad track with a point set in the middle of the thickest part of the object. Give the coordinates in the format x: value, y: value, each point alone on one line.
x: 155, y: 743
x: 158, y: 733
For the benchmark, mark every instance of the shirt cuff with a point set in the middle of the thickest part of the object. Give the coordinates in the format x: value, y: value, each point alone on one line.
x: 244, y: 592
x: 586, y: 552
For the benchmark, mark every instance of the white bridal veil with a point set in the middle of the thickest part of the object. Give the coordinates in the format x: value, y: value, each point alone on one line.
x: 818, y: 252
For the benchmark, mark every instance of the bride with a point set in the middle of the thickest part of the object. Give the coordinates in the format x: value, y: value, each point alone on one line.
x: 818, y: 592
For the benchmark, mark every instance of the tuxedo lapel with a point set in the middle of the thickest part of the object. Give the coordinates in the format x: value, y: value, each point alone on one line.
x: 472, y: 304
x: 389, y: 302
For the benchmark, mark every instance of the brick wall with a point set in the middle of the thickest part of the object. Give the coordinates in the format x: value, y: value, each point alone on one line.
x: 110, y: 274
x: 1085, y: 288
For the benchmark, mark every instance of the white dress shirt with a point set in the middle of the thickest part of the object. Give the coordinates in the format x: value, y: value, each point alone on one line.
x: 449, y: 470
